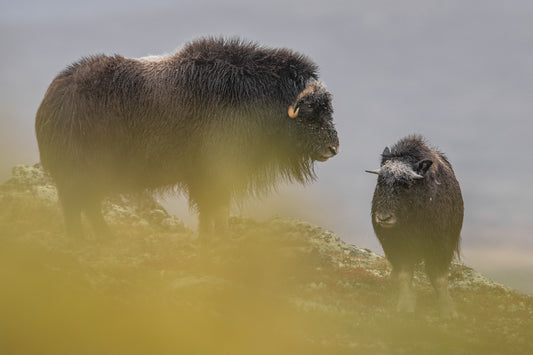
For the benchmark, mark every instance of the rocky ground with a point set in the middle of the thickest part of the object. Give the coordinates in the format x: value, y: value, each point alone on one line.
x: 283, y: 286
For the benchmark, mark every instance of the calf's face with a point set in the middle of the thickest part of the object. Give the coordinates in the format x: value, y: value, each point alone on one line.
x: 398, y: 188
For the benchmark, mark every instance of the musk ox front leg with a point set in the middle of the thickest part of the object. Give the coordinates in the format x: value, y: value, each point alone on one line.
x: 407, y: 296
x: 439, y: 281
x: 213, y: 204
x: 212, y: 219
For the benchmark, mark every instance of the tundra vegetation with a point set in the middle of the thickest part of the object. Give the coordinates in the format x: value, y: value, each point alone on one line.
x: 281, y: 286
x: 218, y: 120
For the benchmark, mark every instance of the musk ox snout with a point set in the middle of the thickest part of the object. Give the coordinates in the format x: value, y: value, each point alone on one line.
x: 326, y: 152
x: 385, y: 219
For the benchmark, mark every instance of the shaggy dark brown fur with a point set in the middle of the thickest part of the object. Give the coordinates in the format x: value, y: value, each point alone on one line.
x: 212, y: 120
x: 417, y: 214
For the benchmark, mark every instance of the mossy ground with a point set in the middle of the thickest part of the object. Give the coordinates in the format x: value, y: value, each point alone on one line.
x: 279, y: 287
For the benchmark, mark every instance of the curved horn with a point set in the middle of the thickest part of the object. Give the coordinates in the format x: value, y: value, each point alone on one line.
x: 293, y: 113
x: 416, y: 176
x: 377, y: 171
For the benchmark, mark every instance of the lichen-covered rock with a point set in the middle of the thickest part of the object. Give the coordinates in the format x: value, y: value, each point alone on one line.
x: 28, y: 177
x: 31, y: 180
x: 139, y: 210
x: 465, y: 278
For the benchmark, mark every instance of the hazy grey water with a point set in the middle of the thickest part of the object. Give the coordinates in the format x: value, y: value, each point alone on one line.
x: 458, y: 72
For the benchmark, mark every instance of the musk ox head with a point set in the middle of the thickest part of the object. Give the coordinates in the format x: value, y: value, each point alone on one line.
x: 312, y: 112
x: 399, y: 189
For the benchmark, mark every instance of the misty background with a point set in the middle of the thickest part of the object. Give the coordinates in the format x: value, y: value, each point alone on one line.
x: 458, y: 72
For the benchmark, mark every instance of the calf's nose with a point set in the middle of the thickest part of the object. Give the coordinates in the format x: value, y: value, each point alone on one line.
x: 384, y: 217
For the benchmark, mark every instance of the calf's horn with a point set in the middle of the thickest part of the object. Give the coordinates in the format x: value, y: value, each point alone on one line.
x: 377, y: 171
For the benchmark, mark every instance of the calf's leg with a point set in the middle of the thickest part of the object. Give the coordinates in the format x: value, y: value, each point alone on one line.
x: 439, y: 279
x: 407, y: 296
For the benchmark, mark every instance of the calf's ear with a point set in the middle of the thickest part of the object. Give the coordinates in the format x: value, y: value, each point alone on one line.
x: 423, y: 166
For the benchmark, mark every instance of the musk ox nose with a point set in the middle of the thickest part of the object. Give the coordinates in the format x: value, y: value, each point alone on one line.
x: 385, y: 219
x: 326, y: 152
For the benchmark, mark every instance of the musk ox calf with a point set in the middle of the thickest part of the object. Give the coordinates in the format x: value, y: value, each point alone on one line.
x: 417, y: 214
x: 217, y: 120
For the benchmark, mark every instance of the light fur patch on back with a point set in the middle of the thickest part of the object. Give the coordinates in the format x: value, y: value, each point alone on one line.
x: 153, y: 58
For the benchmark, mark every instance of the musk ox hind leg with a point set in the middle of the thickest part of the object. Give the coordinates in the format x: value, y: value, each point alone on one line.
x: 74, y: 200
x: 93, y: 210
x: 72, y: 205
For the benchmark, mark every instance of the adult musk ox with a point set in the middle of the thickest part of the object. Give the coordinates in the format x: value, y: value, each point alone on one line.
x: 417, y: 214
x: 219, y: 119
